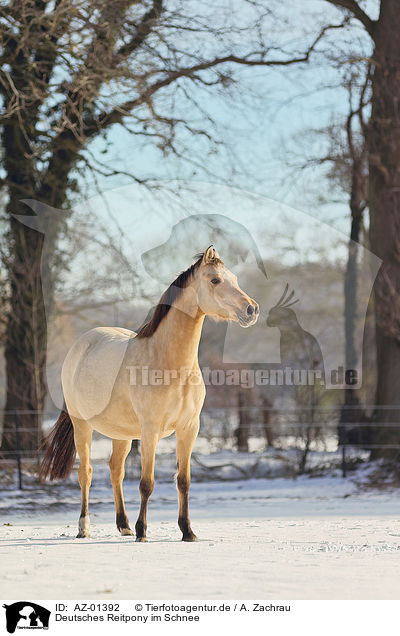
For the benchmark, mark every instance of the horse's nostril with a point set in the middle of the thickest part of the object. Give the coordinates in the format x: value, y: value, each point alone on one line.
x: 257, y: 310
x: 250, y: 310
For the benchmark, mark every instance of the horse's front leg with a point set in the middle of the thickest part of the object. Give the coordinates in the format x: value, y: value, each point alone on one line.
x: 148, y: 446
x: 120, y: 452
x: 184, y: 446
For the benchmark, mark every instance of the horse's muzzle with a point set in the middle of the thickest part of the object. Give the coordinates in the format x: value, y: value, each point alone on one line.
x: 250, y: 316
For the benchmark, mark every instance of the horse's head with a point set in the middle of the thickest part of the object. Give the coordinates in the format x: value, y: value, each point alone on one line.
x: 281, y: 315
x: 219, y: 294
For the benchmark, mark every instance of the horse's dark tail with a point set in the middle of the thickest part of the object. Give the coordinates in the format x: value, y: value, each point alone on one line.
x: 60, y: 451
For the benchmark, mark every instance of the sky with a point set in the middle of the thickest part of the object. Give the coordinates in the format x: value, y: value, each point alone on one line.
x: 263, y: 123
x: 260, y: 123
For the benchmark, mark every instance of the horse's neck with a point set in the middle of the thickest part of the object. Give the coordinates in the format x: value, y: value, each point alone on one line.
x: 176, y: 341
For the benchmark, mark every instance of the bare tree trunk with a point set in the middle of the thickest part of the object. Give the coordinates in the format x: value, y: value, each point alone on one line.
x: 242, y: 431
x: 384, y: 197
x: 26, y: 326
x: 26, y: 339
x: 31, y: 271
x: 267, y: 426
x: 350, y: 414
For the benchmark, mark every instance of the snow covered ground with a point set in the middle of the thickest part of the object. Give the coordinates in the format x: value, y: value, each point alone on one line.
x: 304, y: 538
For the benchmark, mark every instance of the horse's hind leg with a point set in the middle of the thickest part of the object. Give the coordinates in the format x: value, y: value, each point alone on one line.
x: 121, y: 449
x: 184, y: 446
x: 83, y: 439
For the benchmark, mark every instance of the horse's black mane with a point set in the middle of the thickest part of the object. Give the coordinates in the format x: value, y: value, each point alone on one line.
x: 168, y: 298
x: 171, y: 294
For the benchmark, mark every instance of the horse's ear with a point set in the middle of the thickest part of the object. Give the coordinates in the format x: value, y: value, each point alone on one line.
x: 210, y: 255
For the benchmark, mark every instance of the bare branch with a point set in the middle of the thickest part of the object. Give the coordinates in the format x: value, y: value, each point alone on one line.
x: 358, y: 12
x: 142, y: 31
x: 256, y: 58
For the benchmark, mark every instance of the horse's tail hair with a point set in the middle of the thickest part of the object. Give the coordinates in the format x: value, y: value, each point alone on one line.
x: 60, y: 451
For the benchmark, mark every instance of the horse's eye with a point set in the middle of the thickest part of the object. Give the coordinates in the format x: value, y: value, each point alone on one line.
x: 215, y: 281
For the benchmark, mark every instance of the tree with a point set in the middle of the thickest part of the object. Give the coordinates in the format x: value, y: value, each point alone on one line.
x: 242, y: 432
x: 383, y: 148
x: 345, y: 155
x: 384, y: 194
x: 71, y: 70
x: 383, y: 145
x: 358, y: 201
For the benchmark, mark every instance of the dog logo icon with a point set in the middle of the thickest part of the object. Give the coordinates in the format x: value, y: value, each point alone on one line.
x: 26, y: 615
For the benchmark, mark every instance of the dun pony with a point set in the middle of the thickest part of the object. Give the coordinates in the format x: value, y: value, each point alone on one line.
x: 104, y: 389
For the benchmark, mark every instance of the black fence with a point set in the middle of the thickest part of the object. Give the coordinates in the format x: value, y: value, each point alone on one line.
x: 15, y: 430
x: 305, y: 429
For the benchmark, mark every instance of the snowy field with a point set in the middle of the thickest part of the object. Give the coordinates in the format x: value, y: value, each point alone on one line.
x: 281, y: 538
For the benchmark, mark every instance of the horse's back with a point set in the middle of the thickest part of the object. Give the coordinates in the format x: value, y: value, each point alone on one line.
x: 91, y: 368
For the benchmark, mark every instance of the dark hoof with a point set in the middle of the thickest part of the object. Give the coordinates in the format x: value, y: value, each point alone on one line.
x: 83, y: 535
x: 190, y: 537
x: 141, y: 539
